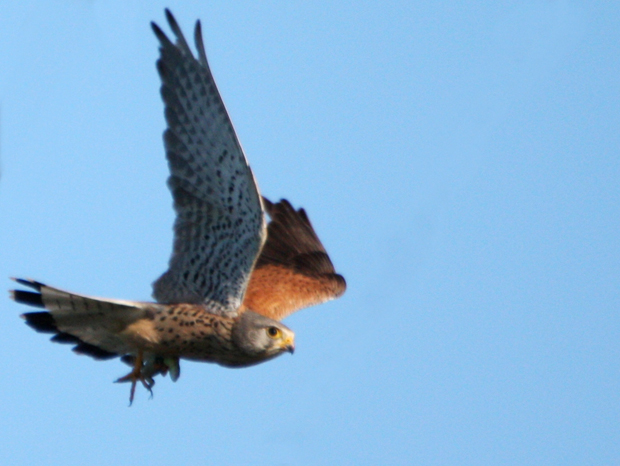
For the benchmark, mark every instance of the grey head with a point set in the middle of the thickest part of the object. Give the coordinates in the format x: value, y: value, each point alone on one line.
x: 262, y: 338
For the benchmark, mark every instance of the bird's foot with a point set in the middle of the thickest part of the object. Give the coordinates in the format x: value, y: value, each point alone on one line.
x: 137, y: 375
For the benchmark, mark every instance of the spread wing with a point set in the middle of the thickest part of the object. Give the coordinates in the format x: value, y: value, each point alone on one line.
x: 293, y: 270
x: 220, y: 223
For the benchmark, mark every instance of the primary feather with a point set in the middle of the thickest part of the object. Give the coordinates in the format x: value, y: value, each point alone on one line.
x: 220, y: 224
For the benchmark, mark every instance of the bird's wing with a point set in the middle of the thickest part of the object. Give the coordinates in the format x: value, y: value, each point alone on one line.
x: 220, y: 223
x: 293, y: 270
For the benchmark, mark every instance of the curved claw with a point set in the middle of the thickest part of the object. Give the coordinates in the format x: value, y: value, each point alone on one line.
x: 135, y: 375
x: 145, y: 369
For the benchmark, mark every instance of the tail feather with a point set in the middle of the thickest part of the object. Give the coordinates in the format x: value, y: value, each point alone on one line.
x: 63, y: 337
x: 93, y: 351
x: 44, y: 322
x: 28, y: 297
x: 40, y: 321
x: 93, y: 325
x: 29, y: 282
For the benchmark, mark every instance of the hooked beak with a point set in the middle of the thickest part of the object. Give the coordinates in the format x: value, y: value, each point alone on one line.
x: 289, y: 345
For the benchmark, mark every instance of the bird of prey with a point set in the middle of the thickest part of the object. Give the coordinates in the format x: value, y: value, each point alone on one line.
x: 231, y: 278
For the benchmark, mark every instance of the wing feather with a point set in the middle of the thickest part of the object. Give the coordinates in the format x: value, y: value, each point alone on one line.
x: 293, y: 270
x: 220, y: 224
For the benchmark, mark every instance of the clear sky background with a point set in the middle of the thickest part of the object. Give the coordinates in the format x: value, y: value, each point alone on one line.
x: 460, y: 162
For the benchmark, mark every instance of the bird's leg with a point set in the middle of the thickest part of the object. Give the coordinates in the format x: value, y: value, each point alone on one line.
x: 134, y: 376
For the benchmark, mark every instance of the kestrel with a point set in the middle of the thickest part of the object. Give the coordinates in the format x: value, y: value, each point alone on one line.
x: 231, y: 277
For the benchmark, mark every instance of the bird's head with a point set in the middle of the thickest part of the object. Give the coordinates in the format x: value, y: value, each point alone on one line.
x: 261, y: 337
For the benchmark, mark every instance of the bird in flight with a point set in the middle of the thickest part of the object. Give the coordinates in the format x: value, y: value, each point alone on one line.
x: 232, y: 276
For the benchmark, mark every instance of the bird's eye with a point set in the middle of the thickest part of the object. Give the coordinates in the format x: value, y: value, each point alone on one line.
x: 274, y: 332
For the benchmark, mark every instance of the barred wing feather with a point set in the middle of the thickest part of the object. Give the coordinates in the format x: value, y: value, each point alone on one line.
x: 220, y: 225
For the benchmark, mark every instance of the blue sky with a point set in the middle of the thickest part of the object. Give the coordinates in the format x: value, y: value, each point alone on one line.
x: 459, y: 160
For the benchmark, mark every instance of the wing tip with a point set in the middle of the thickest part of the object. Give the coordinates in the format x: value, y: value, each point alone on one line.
x: 161, y: 35
x: 176, y: 30
x: 171, y: 19
x: 341, y: 286
x: 200, y: 45
x: 178, y: 33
